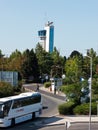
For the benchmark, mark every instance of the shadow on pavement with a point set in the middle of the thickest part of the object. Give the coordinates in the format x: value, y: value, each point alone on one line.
x: 36, y: 124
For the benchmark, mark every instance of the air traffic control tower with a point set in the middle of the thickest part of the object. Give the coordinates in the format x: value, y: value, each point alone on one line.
x: 47, y: 37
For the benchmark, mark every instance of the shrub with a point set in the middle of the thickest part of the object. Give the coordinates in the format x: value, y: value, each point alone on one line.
x: 6, y: 89
x: 66, y: 108
x: 47, y: 84
x: 83, y: 109
x: 19, y: 88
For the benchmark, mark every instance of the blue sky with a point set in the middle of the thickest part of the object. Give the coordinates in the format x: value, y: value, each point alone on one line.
x: 75, y: 22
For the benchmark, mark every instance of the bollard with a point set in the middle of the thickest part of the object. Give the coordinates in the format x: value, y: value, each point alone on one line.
x: 67, y: 125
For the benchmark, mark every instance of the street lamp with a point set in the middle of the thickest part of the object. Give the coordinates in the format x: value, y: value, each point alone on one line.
x: 90, y: 88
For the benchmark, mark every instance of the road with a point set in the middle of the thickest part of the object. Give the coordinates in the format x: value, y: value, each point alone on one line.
x: 77, y: 126
x: 50, y: 103
x: 41, y: 126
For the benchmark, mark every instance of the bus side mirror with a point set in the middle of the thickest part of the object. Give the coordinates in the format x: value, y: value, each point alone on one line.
x: 2, y: 108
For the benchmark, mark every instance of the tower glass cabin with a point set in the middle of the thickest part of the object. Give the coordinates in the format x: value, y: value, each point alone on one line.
x: 47, y: 37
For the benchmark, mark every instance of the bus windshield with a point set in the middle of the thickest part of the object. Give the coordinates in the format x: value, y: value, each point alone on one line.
x: 1, y: 110
x: 4, y: 108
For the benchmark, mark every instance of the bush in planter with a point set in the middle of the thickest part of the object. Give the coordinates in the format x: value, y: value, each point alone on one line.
x: 47, y: 84
x: 66, y: 108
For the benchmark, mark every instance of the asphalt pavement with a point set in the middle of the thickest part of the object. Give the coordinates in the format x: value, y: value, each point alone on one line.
x: 69, y: 119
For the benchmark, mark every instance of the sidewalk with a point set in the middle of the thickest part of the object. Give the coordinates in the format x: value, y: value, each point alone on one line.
x: 48, y: 90
x: 75, y: 119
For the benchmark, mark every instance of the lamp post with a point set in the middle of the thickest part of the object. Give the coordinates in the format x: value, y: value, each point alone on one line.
x: 90, y: 88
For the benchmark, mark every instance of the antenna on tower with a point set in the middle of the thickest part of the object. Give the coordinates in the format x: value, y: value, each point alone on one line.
x: 45, y: 17
x: 49, y: 23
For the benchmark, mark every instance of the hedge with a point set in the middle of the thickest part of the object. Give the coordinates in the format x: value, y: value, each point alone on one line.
x: 83, y: 109
x: 47, y: 84
x: 66, y: 108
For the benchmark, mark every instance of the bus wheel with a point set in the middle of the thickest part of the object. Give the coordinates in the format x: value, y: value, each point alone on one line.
x: 33, y: 115
x: 12, y: 122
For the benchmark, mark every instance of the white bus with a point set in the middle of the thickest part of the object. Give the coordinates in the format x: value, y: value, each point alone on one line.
x: 19, y: 108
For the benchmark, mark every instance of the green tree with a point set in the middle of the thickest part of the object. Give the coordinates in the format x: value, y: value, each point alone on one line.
x: 74, y: 91
x: 57, y: 69
x: 75, y: 53
x: 14, y: 62
x: 0, y: 53
x: 95, y: 85
x: 86, y: 63
x: 73, y: 68
x: 44, y: 60
x: 57, y: 58
x: 29, y: 68
x: 1, y: 60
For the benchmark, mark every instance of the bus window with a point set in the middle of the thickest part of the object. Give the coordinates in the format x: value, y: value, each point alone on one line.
x: 16, y: 104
